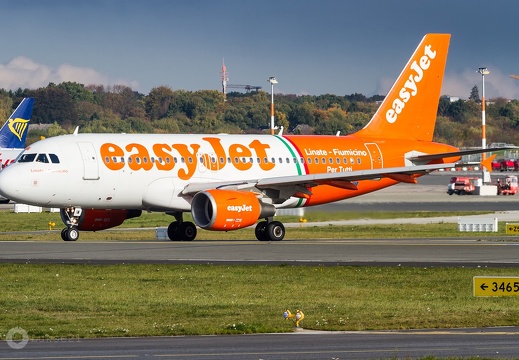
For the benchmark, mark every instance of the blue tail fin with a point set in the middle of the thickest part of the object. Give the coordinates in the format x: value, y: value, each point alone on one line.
x: 14, y: 131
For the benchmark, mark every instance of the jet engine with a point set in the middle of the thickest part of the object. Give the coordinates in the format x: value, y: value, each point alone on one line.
x: 228, y: 209
x: 96, y: 219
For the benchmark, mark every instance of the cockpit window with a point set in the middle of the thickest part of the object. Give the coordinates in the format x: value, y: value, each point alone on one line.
x: 42, y: 158
x: 54, y: 158
x: 27, y: 158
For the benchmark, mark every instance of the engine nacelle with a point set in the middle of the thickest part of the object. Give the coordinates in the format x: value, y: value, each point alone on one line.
x: 97, y: 219
x: 228, y: 209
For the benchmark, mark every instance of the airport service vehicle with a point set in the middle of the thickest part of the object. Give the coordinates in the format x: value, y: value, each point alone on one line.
x: 229, y: 182
x: 461, y: 185
x: 507, y: 186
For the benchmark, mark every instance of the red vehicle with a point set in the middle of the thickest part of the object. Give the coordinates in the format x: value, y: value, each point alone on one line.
x: 496, y: 165
x: 461, y: 185
x: 508, y: 186
x: 508, y: 165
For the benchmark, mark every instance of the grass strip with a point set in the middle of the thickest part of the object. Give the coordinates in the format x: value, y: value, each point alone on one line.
x: 59, y: 301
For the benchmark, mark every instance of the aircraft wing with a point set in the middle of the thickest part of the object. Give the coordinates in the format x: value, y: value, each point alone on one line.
x: 301, y: 183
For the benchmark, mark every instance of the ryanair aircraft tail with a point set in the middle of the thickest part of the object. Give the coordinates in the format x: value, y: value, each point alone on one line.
x: 14, y: 131
x: 409, y: 109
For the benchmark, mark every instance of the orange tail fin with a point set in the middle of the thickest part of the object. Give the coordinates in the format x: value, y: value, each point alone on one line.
x: 487, y: 163
x: 409, y: 109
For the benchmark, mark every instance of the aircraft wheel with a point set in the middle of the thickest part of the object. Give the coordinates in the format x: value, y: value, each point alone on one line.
x: 173, y: 231
x: 72, y: 234
x: 64, y: 234
x: 261, y: 231
x: 275, y: 231
x: 187, y: 231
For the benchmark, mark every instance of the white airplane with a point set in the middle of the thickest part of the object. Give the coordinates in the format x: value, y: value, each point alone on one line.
x: 13, y: 134
x: 229, y: 182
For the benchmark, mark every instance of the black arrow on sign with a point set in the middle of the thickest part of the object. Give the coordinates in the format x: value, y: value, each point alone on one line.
x: 484, y: 287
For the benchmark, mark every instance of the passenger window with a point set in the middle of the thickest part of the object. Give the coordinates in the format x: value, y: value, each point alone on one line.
x: 358, y: 160
x: 309, y: 160
x: 317, y: 160
x: 280, y: 160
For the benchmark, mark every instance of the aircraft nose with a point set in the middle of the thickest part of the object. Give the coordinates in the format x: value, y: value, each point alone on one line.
x: 10, y: 183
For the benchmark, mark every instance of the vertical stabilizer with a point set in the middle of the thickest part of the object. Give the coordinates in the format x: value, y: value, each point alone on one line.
x: 409, y: 109
x: 14, y: 132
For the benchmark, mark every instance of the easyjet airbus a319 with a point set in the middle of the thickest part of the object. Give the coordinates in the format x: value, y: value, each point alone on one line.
x: 229, y: 182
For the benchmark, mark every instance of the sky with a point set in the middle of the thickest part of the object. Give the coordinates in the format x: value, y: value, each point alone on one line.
x: 312, y: 47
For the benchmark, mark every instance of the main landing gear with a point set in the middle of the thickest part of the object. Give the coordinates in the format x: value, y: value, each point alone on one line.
x: 266, y: 230
x: 269, y: 230
x: 181, y: 230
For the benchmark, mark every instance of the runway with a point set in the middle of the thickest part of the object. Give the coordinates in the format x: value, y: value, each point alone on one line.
x: 391, y: 252
x: 490, y: 343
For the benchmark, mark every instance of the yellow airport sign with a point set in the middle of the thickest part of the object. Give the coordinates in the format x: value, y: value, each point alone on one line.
x: 496, y: 286
x: 512, y: 228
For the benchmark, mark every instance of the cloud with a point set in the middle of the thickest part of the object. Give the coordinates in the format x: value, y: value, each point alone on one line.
x: 22, y: 72
x: 497, y: 84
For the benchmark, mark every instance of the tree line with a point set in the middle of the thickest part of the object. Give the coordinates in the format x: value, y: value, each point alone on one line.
x: 116, y: 109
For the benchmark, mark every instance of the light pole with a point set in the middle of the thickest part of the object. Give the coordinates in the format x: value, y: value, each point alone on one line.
x: 272, y: 80
x: 483, y: 71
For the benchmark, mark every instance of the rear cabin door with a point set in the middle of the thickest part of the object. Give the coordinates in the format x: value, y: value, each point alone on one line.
x: 376, y: 155
x: 90, y: 165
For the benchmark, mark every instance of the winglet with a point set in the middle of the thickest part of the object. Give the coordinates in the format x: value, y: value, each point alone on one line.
x: 14, y: 132
x: 409, y: 110
x: 487, y: 163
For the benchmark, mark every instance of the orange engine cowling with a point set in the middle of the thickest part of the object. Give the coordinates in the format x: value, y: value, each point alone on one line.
x: 100, y: 219
x: 228, y: 209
